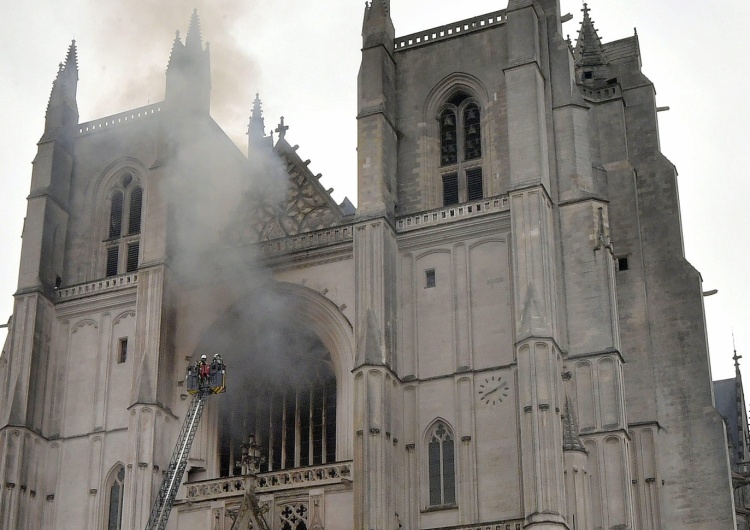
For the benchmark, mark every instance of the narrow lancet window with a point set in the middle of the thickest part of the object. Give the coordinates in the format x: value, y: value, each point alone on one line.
x: 472, y: 133
x: 441, y: 467
x: 114, y: 512
x: 136, y: 202
x: 448, y: 138
x: 115, y: 216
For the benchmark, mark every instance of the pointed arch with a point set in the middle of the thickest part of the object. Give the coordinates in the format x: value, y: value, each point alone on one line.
x: 114, y: 491
x: 119, y: 195
x: 440, y: 464
x: 455, y: 108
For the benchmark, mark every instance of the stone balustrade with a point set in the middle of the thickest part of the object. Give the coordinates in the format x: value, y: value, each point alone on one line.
x: 306, y: 477
x: 450, y: 30
x: 117, y: 119
x: 514, y: 524
x: 453, y: 213
x: 319, y: 238
x: 107, y: 284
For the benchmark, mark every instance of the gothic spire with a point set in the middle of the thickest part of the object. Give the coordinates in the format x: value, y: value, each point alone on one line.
x: 588, y: 51
x: 189, y: 70
x: 62, y: 108
x: 256, y: 128
x: 193, y: 38
x: 571, y: 439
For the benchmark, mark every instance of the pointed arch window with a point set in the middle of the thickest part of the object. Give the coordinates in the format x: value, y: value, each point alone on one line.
x: 291, y: 416
x: 460, y: 124
x: 441, y: 466
x: 122, y: 246
x: 115, y: 492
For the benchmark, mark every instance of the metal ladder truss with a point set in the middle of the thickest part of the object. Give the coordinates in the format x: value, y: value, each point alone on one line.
x: 173, y: 476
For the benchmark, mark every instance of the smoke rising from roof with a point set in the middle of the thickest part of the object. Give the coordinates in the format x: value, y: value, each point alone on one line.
x: 135, y: 42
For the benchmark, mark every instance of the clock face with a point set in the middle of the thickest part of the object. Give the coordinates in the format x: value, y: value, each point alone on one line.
x: 493, y: 390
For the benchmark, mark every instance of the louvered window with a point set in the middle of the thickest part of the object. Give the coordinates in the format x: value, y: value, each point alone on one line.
x: 450, y: 189
x: 460, y: 127
x: 474, y: 184
x: 113, y: 254
x: 122, y: 243
x: 136, y: 201
x: 132, y: 262
x: 115, y: 216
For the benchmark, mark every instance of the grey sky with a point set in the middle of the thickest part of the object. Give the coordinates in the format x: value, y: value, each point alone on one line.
x: 303, y: 58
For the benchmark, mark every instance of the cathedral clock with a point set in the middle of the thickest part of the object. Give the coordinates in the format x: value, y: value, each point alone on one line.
x: 493, y: 390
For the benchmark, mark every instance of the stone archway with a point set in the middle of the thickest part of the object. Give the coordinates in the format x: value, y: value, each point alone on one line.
x: 289, y: 353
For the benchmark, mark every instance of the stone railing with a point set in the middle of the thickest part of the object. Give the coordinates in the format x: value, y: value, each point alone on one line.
x: 307, y: 477
x: 513, y: 524
x: 307, y: 240
x: 117, y: 119
x: 450, y: 30
x: 453, y: 213
x: 107, y: 284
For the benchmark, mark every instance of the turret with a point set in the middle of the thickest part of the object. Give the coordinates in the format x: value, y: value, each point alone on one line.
x: 376, y: 113
x: 47, y: 213
x: 62, y: 109
x: 189, y: 71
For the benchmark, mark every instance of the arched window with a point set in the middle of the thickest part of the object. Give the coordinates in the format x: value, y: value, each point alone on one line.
x: 460, y: 124
x: 441, y: 466
x: 115, y: 492
x: 291, y: 414
x: 122, y: 250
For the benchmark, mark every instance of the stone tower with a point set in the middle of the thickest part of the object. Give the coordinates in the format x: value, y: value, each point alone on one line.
x: 503, y: 334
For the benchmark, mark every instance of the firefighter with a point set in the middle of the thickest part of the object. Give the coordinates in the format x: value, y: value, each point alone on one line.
x: 203, y: 368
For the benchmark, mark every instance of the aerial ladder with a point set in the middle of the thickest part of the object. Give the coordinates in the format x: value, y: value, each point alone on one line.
x: 203, y: 379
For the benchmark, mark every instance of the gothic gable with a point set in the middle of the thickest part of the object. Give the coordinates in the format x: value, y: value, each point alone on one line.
x: 305, y: 206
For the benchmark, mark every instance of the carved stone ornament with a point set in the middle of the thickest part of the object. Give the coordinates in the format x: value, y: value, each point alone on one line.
x: 304, y: 207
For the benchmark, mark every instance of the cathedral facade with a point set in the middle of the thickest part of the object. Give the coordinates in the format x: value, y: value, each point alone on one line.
x: 504, y: 334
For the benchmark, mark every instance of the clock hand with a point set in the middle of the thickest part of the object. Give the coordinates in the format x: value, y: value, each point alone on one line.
x: 491, y: 391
